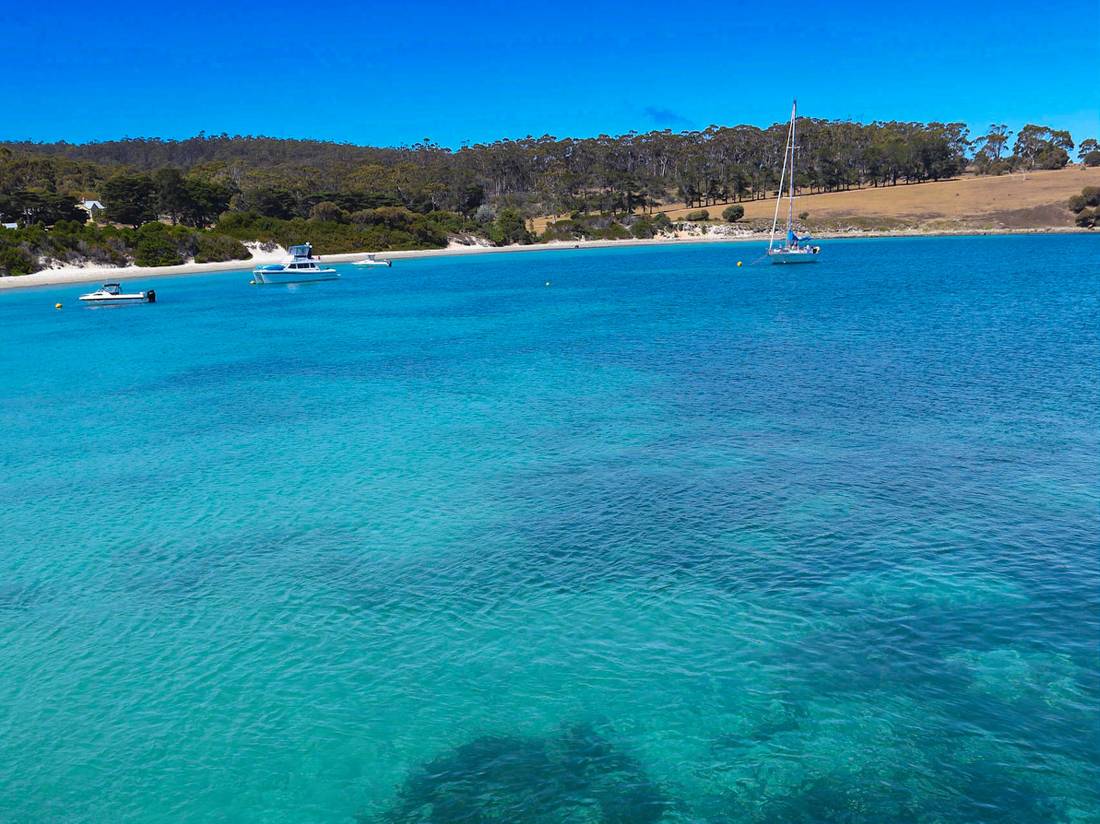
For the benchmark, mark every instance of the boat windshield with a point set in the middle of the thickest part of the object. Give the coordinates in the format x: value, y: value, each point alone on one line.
x: 302, y: 250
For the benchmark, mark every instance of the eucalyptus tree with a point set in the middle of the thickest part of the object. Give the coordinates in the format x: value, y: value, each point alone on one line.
x: 993, y: 143
x: 1041, y: 147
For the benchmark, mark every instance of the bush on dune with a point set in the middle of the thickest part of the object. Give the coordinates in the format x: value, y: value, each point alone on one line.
x: 509, y: 227
x: 15, y: 260
x: 212, y: 248
x: 598, y: 227
x: 452, y: 223
x: 158, y: 245
x: 568, y: 229
x: 1079, y: 204
x: 616, y: 231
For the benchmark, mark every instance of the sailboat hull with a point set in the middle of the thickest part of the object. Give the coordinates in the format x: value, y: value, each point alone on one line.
x: 793, y: 256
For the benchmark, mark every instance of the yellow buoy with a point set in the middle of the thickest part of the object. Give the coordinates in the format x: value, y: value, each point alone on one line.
x: 57, y: 306
x: 738, y: 263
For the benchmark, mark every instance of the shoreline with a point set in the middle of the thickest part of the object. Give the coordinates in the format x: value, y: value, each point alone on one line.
x: 65, y: 276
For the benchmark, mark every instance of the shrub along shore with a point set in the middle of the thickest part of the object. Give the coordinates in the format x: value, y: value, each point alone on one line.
x: 28, y: 249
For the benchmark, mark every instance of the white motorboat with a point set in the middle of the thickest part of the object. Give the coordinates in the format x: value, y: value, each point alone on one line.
x: 300, y: 267
x: 794, y: 248
x: 111, y: 293
x: 371, y: 260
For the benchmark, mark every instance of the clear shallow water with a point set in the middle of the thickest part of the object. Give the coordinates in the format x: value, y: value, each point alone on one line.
x: 665, y: 541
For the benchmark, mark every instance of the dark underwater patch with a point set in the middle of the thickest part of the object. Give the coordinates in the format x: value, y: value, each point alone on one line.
x: 205, y: 564
x: 17, y: 597
x: 541, y: 780
x: 836, y: 801
x: 986, y: 794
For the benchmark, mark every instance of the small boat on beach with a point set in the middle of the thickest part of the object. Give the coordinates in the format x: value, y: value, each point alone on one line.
x: 371, y: 260
x: 300, y: 267
x: 111, y: 293
x: 794, y: 248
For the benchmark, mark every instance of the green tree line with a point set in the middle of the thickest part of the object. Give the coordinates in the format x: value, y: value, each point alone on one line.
x: 190, y: 180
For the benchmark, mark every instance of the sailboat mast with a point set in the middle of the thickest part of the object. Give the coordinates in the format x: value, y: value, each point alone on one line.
x: 790, y: 209
x: 782, y: 176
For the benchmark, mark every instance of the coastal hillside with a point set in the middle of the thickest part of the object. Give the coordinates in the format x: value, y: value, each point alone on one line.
x: 1024, y: 200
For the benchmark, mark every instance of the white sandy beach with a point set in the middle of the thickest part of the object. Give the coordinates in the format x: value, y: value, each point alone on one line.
x: 98, y: 274
x: 94, y: 274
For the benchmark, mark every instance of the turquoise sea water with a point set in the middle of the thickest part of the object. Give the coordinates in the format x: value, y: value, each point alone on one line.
x: 667, y: 540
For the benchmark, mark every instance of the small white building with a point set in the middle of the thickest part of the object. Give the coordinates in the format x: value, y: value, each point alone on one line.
x: 10, y: 225
x: 91, y: 207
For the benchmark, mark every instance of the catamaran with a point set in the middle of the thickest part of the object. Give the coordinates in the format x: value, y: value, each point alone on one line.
x: 794, y: 248
x: 300, y: 268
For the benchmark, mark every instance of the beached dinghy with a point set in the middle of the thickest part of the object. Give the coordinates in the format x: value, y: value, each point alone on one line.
x: 301, y: 267
x: 371, y: 260
x: 112, y: 293
x: 794, y: 248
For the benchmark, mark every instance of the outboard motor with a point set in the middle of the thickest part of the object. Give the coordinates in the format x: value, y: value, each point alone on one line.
x: 151, y: 296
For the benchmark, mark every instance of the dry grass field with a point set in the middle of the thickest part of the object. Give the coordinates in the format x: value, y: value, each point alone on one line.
x: 1029, y: 200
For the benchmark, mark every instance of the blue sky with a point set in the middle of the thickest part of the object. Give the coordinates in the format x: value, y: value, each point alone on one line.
x: 397, y: 72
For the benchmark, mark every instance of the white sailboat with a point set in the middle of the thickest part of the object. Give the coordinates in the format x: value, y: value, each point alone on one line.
x: 794, y: 248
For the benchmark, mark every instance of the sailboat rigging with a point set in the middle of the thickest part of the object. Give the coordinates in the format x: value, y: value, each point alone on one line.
x: 794, y: 248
